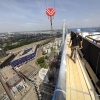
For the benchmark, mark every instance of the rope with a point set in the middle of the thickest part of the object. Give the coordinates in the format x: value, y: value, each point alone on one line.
x: 51, y: 24
x: 45, y: 4
x: 54, y: 3
x: 54, y: 7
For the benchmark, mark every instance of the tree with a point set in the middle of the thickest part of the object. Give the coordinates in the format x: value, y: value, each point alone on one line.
x: 46, y: 57
x: 40, y: 60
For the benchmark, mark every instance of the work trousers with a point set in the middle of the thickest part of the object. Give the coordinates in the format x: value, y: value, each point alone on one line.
x: 73, y: 51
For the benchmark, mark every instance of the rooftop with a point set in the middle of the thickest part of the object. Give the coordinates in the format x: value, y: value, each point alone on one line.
x: 2, y: 91
x: 74, y: 82
x: 20, y: 55
x: 8, y: 73
x: 27, y: 70
x: 13, y: 81
x: 3, y: 94
x: 78, y: 83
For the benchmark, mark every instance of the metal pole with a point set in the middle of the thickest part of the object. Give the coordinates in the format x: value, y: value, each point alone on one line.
x: 64, y: 31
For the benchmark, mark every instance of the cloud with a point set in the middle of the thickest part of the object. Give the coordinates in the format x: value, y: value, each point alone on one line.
x: 86, y: 20
x: 17, y: 15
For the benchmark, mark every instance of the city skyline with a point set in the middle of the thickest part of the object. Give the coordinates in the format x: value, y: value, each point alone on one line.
x: 29, y: 15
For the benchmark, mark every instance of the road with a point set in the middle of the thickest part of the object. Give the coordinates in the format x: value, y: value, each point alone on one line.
x: 39, y: 52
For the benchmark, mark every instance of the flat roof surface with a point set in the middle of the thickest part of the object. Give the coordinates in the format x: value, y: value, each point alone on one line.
x: 30, y: 52
x: 14, y: 80
x: 3, y: 93
x: 77, y: 87
x: 27, y: 69
x: 8, y: 73
x: 30, y: 95
x: 1, y: 90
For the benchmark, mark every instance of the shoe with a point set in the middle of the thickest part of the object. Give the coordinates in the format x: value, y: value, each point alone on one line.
x: 74, y: 61
x: 70, y: 57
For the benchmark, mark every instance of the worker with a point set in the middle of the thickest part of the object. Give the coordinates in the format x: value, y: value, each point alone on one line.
x: 76, y: 43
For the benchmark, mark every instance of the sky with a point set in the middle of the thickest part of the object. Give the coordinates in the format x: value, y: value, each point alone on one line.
x: 29, y: 15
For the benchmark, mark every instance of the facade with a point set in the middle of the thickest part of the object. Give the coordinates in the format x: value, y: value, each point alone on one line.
x: 44, y: 48
x: 50, y: 44
x: 49, y: 50
x: 54, y: 45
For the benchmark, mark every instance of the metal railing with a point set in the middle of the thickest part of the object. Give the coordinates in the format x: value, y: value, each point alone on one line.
x: 60, y: 90
x: 94, y: 39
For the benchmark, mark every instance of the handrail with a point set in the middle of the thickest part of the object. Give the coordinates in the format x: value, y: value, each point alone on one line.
x: 60, y: 90
x: 89, y: 36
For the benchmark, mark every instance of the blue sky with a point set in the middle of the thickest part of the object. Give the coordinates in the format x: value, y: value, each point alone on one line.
x: 29, y: 15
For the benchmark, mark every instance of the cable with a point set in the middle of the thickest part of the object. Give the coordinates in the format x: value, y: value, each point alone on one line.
x: 54, y: 3
x: 51, y: 16
x: 45, y: 4
x: 54, y: 7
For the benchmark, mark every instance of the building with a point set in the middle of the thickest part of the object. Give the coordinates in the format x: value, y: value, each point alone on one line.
x: 44, y: 48
x: 6, y: 61
x: 12, y: 79
x: 28, y: 71
x: 2, y: 52
x: 43, y: 73
x: 49, y: 50
x: 55, y: 47
x: 49, y: 78
x: 25, y: 56
x: 50, y: 44
x: 3, y: 94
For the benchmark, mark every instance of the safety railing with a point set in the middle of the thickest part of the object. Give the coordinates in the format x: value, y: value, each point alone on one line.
x: 60, y: 90
x: 97, y: 39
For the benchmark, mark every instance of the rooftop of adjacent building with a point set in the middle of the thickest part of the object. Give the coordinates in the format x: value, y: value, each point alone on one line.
x: 1, y: 90
x: 3, y: 94
x: 10, y: 76
x: 27, y: 70
x: 21, y: 54
x: 8, y: 73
